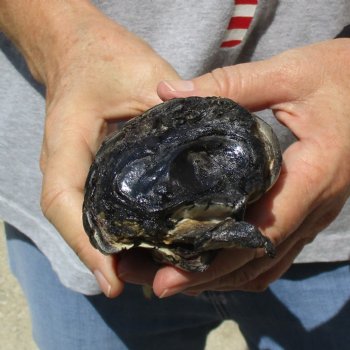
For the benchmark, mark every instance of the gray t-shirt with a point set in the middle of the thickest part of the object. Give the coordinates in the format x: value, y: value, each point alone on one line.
x: 190, y: 35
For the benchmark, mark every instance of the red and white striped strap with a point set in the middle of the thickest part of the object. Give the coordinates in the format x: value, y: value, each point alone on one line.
x: 243, y: 14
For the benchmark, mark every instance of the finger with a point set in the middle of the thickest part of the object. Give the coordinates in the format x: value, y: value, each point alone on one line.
x: 136, y: 266
x: 260, y: 272
x: 169, y: 280
x: 257, y: 284
x: 62, y: 198
x: 255, y: 85
x: 247, y: 272
x: 64, y: 212
x: 297, y: 186
x: 301, y: 187
x: 257, y: 274
x: 262, y: 282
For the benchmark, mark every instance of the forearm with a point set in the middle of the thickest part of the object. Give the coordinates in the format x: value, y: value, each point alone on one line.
x: 42, y: 29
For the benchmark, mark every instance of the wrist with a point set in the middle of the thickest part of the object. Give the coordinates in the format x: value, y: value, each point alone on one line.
x: 43, y: 31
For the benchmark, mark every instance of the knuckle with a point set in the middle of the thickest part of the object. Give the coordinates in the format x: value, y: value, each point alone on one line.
x: 327, y: 218
x: 44, y: 202
x: 213, y: 273
x: 243, y: 276
x: 223, y: 79
x: 291, y: 66
x: 259, y: 286
x: 51, y: 200
x: 290, y: 74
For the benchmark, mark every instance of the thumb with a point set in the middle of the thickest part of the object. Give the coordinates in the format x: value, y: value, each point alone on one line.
x: 61, y: 201
x: 103, y: 267
x: 255, y: 85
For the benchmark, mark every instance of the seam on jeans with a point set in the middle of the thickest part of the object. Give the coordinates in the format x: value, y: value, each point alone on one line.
x: 218, y: 301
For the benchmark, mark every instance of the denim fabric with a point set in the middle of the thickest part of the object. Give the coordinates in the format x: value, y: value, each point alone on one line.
x: 309, y: 308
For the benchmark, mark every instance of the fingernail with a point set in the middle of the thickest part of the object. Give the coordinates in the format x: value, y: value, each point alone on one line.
x: 179, y: 85
x: 170, y: 292
x: 103, y: 283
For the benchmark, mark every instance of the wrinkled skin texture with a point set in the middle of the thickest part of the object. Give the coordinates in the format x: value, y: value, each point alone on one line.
x: 309, y: 93
x: 180, y: 177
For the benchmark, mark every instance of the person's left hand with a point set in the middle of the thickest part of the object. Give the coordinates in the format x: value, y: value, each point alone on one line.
x: 308, y: 89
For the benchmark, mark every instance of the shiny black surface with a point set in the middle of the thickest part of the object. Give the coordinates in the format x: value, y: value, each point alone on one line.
x: 184, y: 153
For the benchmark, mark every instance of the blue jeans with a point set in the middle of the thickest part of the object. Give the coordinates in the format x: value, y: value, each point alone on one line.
x: 308, y: 308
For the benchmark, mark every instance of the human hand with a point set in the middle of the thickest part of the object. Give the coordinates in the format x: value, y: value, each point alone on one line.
x: 95, y: 73
x: 308, y: 89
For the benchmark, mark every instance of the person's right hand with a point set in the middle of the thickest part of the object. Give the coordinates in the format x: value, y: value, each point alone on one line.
x: 97, y: 72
